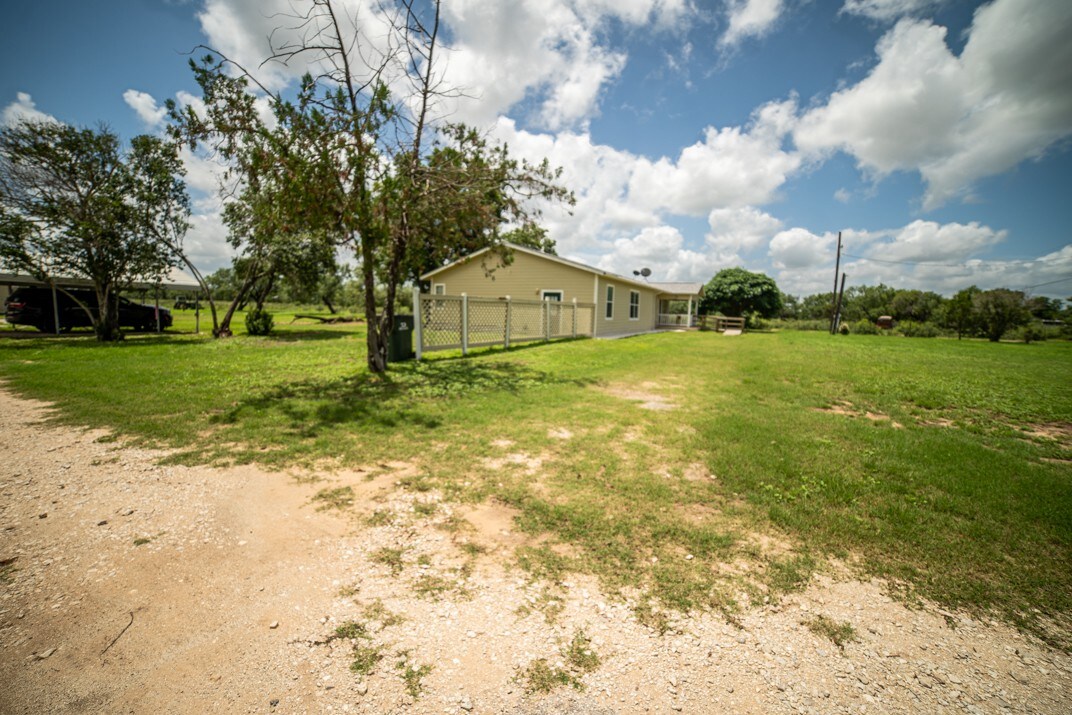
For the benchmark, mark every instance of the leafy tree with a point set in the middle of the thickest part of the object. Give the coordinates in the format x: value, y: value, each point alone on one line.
x: 532, y: 235
x: 999, y: 310
x: 223, y: 283
x: 74, y: 202
x: 472, y: 188
x: 816, y: 307
x: 790, y: 307
x: 915, y: 305
x: 1044, y: 308
x: 958, y: 313
x: 736, y: 292
x: 348, y: 159
x: 867, y: 302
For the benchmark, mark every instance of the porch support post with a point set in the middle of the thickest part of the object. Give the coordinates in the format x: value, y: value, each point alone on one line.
x: 690, y: 312
x: 575, y: 317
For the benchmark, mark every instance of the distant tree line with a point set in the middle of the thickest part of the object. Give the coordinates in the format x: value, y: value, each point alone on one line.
x: 971, y: 312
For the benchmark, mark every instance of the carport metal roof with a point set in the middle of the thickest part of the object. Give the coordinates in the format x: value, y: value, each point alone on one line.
x: 176, y: 279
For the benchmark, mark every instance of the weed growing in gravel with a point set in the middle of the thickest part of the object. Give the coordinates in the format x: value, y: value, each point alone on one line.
x: 391, y: 558
x: 453, y: 524
x: 578, y: 658
x: 549, y: 603
x: 376, y: 611
x: 540, y: 677
x: 433, y: 587
x: 380, y: 517
x: 472, y: 549
x: 579, y: 654
x: 351, y: 630
x: 366, y: 657
x: 337, y: 498
x: 412, y: 676
x: 650, y: 615
x: 839, y: 633
x: 347, y: 592
x: 425, y: 508
x: 416, y: 482
x: 7, y: 570
x: 142, y: 540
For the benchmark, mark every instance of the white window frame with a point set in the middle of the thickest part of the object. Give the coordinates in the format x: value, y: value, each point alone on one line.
x: 439, y: 289
x: 608, y: 312
x: 634, y: 306
x: 561, y: 294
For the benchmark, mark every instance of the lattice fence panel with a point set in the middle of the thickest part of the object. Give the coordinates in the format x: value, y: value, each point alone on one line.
x: 526, y: 321
x: 487, y: 321
x: 441, y: 322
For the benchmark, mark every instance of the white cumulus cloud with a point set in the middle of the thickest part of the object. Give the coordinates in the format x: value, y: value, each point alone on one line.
x: 888, y: 10
x: 731, y: 167
x: 23, y: 109
x: 1006, y: 98
x: 750, y: 18
x: 145, y: 106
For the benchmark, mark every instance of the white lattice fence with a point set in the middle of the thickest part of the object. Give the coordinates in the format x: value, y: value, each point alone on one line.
x: 450, y: 322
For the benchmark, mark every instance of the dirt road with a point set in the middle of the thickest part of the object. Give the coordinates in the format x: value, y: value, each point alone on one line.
x: 128, y: 586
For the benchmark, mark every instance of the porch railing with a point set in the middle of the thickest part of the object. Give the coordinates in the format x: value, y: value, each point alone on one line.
x: 674, y: 319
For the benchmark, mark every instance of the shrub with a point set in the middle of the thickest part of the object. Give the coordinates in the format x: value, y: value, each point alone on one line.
x: 259, y: 322
x: 780, y: 324
x: 864, y: 327
x: 911, y: 329
x: 1030, y: 333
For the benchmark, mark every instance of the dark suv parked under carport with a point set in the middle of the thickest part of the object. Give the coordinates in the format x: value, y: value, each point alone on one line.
x: 33, y: 306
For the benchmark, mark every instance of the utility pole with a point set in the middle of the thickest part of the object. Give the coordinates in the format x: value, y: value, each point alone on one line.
x: 834, y: 296
x: 837, y: 306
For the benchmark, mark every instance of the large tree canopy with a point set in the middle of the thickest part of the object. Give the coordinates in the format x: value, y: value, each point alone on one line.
x: 74, y: 203
x: 737, y: 292
x: 356, y: 157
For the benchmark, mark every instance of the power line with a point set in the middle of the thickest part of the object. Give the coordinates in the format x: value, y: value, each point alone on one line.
x: 1050, y: 283
x: 906, y: 263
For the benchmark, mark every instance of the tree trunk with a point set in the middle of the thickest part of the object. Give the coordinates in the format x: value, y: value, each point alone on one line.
x: 107, y: 325
x: 327, y: 302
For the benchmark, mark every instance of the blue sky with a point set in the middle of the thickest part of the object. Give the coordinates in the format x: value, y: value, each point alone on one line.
x: 696, y: 134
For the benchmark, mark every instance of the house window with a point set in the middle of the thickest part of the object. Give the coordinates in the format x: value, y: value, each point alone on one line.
x: 555, y: 295
x: 610, y: 303
x: 439, y: 289
x: 634, y: 305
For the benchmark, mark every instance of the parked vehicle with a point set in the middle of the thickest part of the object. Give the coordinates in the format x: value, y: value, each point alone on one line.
x: 33, y: 306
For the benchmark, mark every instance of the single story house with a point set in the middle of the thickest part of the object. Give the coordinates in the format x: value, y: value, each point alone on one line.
x: 623, y: 306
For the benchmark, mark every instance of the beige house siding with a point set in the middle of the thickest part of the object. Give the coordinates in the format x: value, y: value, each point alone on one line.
x: 530, y: 276
x: 524, y: 279
x: 620, y: 323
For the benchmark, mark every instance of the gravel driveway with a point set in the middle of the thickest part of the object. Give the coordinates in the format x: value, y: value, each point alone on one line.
x: 128, y: 586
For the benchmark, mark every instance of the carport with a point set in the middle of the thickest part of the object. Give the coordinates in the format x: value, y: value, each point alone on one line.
x: 176, y: 280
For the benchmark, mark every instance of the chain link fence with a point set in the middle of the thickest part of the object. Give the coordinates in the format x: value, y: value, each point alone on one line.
x: 453, y: 322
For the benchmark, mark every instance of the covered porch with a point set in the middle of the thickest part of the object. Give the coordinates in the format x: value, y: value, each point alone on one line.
x: 679, y: 304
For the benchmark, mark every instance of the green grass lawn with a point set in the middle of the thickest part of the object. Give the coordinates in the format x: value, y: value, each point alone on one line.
x: 951, y: 488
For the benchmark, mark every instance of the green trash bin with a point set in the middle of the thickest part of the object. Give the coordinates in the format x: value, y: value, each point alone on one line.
x: 400, y: 346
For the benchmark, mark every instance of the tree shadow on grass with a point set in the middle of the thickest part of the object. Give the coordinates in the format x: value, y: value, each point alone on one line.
x: 409, y: 395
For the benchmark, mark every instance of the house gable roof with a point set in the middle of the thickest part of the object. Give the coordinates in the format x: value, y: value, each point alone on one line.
x: 548, y: 257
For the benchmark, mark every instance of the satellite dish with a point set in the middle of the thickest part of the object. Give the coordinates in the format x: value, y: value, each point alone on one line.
x: 645, y: 272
